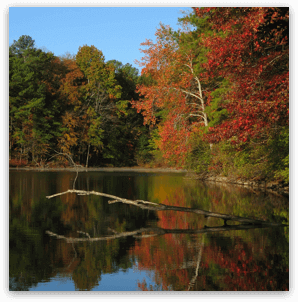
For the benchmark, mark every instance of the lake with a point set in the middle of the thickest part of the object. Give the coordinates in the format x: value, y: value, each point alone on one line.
x: 50, y: 246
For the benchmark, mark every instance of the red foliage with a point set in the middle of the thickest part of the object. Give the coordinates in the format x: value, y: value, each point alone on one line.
x: 17, y: 162
x: 245, y: 265
x: 249, y: 48
x: 243, y: 270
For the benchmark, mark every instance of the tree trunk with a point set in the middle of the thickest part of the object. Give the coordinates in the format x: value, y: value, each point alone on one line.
x: 87, y: 159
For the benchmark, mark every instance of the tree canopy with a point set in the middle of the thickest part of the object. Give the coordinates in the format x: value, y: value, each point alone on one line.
x: 212, y: 97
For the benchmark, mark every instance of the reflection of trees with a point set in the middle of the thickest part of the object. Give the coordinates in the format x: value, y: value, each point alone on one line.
x: 86, y: 263
x: 155, y: 231
x: 27, y: 253
x: 35, y: 257
x: 241, y: 201
x: 214, y: 266
x: 164, y: 277
x: 184, y: 263
x: 239, y: 267
x: 172, y: 257
x: 194, y: 278
x: 147, y: 205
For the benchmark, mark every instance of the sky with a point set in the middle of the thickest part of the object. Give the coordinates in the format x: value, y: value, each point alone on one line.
x: 116, y: 31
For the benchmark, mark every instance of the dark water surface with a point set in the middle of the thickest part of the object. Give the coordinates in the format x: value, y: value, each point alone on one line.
x: 254, y: 259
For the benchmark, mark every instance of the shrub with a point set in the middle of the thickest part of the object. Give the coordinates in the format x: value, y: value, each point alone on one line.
x: 17, y: 162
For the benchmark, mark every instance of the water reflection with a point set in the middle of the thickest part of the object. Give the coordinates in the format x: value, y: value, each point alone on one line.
x: 255, y: 259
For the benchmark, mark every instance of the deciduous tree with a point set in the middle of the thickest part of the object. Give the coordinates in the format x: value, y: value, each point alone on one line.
x: 174, y: 99
x: 250, y: 49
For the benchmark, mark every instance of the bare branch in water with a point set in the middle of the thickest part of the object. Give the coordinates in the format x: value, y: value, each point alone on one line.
x: 156, y: 231
x: 147, y: 205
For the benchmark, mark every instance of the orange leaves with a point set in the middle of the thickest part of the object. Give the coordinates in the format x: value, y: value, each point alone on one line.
x: 172, y: 96
x: 70, y: 83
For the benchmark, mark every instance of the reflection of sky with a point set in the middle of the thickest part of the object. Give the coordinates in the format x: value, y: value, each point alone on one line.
x: 121, y: 281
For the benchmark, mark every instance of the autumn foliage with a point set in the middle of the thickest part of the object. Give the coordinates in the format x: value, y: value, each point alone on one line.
x: 251, y: 51
x: 72, y: 109
x: 173, y: 99
x: 225, y: 82
x: 212, y: 97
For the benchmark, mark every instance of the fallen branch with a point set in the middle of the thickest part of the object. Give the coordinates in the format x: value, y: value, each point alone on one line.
x: 156, y: 231
x: 147, y: 205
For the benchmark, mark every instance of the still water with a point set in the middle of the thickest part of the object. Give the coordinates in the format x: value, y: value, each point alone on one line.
x: 42, y: 258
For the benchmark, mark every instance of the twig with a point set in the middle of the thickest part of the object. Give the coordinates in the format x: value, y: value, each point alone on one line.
x: 87, y: 234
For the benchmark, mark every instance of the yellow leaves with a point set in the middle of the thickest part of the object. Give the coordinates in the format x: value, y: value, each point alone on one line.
x: 69, y: 137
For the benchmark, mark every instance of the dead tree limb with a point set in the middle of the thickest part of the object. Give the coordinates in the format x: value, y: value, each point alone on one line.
x: 72, y: 161
x: 147, y: 205
x: 156, y: 231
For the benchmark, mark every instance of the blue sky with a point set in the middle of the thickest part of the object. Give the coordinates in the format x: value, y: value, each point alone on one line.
x: 116, y: 31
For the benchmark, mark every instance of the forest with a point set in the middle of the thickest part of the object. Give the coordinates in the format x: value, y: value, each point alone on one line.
x: 212, y: 97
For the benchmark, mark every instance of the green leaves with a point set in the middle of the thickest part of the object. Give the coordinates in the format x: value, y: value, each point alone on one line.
x: 89, y: 57
x: 100, y: 76
x: 33, y: 103
x: 78, y: 105
x: 24, y: 43
x: 95, y: 131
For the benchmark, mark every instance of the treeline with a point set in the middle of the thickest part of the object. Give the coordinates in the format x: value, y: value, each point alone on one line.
x: 212, y: 97
x: 218, y: 95
x: 74, y: 109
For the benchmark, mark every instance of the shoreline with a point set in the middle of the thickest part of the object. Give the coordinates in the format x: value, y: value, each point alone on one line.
x: 103, y: 169
x: 270, y: 186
